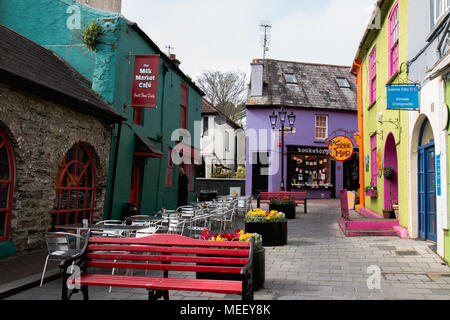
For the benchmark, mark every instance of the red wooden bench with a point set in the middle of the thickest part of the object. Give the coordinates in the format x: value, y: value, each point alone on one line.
x: 164, y: 252
x: 299, y: 197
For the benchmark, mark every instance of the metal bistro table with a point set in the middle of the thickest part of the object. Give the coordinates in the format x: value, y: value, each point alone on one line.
x: 79, y: 228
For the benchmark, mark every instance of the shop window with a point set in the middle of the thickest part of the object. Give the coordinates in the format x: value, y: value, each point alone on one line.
x: 75, y: 187
x: 205, y: 126
x: 373, y: 160
x: 312, y: 171
x: 321, y: 127
x: 183, y: 106
x: 6, y: 185
x: 169, y: 169
x: 393, y: 40
x: 373, y: 75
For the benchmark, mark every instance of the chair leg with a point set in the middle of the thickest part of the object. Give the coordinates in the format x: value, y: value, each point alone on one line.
x: 43, y: 272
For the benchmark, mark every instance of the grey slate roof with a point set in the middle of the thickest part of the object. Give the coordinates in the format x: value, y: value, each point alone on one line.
x: 316, y: 86
x: 26, y: 64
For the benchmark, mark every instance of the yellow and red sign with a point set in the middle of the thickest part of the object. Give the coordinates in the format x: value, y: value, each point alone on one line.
x: 341, y: 148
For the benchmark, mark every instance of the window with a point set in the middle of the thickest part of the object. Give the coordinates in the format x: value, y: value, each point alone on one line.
x: 75, y: 187
x: 393, y: 40
x: 189, y: 170
x: 136, y: 178
x: 373, y: 159
x: 321, y: 127
x: 137, y: 115
x: 440, y: 8
x: 373, y: 75
x: 290, y: 78
x: 227, y: 141
x: 183, y: 106
x: 205, y: 126
x: 343, y: 83
x: 6, y: 185
x: 170, y: 169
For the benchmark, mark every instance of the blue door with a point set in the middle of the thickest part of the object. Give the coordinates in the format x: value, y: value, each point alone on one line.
x: 427, y: 193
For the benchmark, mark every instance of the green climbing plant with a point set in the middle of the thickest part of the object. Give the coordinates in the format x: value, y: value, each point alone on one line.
x: 91, y: 34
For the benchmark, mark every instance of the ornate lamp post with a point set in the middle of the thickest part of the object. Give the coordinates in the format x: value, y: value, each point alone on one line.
x: 273, y: 122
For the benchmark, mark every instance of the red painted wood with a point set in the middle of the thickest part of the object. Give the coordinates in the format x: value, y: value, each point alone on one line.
x: 299, y: 197
x: 218, y: 286
x: 169, y: 267
x: 166, y: 258
x: 137, y: 248
x: 172, y: 240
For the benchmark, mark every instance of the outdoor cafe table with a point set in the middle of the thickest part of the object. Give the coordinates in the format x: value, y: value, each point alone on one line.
x: 79, y: 227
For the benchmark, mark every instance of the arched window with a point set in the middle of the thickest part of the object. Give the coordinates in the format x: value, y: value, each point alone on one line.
x: 6, y: 185
x: 75, y: 187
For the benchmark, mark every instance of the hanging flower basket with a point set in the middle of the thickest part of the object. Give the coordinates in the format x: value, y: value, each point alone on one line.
x: 389, y: 173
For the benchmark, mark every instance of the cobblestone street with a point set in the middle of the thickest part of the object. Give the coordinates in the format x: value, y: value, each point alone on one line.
x: 319, y: 262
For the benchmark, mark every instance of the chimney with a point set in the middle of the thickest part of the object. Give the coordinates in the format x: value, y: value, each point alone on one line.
x: 256, y: 79
x: 173, y: 57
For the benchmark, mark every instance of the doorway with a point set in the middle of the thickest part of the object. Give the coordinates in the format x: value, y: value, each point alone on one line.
x: 426, y: 183
x: 260, y: 165
x: 390, y: 160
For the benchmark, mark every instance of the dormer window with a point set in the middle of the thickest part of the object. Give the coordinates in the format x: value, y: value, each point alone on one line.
x: 290, y: 78
x: 343, y: 83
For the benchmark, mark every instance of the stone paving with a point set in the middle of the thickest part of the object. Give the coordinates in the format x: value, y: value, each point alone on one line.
x: 320, y: 263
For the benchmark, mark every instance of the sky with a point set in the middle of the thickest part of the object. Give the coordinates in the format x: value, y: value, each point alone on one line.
x: 224, y: 35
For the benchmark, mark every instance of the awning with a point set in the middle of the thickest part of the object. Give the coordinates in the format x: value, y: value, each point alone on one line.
x: 144, y: 148
x: 441, y: 67
x: 189, y: 152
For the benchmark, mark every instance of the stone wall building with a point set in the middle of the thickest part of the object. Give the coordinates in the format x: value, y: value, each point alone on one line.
x: 55, y: 137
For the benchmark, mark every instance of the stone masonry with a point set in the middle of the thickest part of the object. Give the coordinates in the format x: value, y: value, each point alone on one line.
x: 41, y: 132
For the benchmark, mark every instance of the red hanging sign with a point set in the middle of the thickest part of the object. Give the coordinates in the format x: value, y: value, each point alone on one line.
x: 145, y: 79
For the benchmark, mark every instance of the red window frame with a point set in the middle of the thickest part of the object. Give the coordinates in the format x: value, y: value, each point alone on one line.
x: 137, y: 115
x: 373, y: 75
x: 75, y: 187
x: 373, y: 160
x: 6, y: 211
x: 136, y: 178
x: 169, y: 169
x: 394, y: 40
x: 183, y: 106
x: 189, y: 169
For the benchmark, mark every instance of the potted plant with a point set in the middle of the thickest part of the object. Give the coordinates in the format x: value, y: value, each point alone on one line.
x: 272, y: 226
x: 259, y: 270
x: 389, y: 174
x: 285, y: 205
x: 371, y: 191
x: 396, y: 208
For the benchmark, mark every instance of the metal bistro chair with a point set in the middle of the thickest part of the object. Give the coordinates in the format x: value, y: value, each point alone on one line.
x: 59, y: 247
x: 149, y: 226
x: 108, y: 230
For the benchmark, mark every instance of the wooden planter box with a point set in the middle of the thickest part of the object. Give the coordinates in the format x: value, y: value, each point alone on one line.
x: 273, y: 233
x: 259, y: 271
x: 287, y: 209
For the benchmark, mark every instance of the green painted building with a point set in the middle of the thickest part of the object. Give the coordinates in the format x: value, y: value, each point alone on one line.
x: 142, y: 166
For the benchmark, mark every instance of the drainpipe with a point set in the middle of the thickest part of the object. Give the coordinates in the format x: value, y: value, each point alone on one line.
x: 113, y: 180
x: 357, y: 71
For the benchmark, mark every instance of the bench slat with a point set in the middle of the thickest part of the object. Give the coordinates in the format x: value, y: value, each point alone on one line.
x: 218, y: 286
x: 137, y: 248
x: 166, y: 267
x: 166, y: 258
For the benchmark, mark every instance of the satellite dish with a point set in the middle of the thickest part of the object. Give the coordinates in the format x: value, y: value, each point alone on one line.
x: 220, y: 120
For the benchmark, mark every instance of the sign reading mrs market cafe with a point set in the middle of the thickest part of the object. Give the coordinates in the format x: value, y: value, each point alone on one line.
x: 145, y: 79
x: 403, y: 97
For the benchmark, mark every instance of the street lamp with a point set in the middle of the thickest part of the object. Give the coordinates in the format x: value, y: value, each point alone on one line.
x: 273, y: 122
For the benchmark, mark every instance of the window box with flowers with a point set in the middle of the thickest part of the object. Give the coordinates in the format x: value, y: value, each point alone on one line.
x: 272, y: 226
x: 259, y: 270
x: 371, y: 191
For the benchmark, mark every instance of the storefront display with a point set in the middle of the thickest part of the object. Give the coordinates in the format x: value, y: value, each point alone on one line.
x: 309, y: 167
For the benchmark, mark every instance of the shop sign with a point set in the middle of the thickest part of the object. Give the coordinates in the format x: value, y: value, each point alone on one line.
x: 403, y: 97
x: 341, y: 148
x: 145, y: 79
x: 307, y: 150
x: 438, y: 175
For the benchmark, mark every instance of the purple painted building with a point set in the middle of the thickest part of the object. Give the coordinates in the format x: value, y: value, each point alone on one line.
x: 323, y: 99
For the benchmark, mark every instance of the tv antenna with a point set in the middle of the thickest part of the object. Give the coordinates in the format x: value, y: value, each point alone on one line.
x: 265, y: 39
x: 169, y: 47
